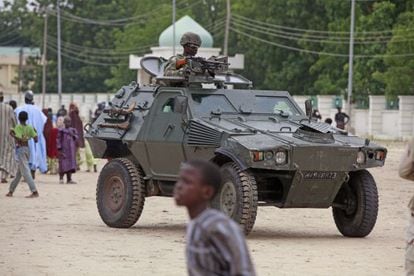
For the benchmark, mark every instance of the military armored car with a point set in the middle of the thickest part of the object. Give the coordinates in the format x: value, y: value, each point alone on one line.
x: 271, y: 153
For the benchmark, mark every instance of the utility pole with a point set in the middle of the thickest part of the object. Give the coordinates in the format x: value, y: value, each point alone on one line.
x: 351, y: 56
x: 44, y: 60
x: 19, y: 83
x: 227, y: 29
x: 173, y: 24
x: 59, y: 58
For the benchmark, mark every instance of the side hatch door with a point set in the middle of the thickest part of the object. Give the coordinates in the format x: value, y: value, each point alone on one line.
x: 164, y: 135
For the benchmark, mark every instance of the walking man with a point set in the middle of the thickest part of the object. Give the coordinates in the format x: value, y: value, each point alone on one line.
x: 215, y: 243
x: 37, y: 120
x: 7, y: 122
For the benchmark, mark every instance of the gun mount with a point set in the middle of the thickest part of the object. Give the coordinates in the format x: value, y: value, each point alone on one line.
x: 198, y: 70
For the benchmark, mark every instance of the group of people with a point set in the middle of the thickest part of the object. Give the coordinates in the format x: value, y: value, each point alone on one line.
x: 36, y: 139
x: 341, y: 118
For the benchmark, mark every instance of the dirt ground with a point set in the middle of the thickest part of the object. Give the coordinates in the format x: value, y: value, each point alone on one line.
x: 61, y: 233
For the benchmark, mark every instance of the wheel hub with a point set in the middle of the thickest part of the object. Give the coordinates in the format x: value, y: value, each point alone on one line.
x: 228, y: 198
x: 114, y: 193
x: 347, y: 201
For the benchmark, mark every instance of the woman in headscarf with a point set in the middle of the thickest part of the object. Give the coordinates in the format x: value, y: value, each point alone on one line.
x: 78, y: 125
x: 50, y: 134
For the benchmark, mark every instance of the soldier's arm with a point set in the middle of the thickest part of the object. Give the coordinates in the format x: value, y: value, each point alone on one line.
x: 174, y: 65
x: 170, y: 68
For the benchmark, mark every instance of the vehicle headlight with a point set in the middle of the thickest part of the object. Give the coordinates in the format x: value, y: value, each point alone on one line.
x: 281, y: 157
x: 361, y: 157
x: 268, y: 155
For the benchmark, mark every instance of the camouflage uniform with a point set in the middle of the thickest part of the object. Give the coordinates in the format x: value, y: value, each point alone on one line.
x: 171, y: 68
x: 409, y: 254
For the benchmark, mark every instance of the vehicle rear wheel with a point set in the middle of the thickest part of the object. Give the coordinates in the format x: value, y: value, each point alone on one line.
x: 120, y: 193
x: 355, y: 207
x: 237, y: 196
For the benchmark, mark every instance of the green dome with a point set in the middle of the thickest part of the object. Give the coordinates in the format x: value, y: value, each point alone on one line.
x: 185, y: 24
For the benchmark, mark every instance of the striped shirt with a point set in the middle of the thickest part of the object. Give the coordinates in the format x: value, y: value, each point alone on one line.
x: 216, y: 246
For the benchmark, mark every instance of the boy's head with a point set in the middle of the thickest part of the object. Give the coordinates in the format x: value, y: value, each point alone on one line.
x: 67, y: 121
x: 23, y: 116
x: 198, y: 182
x: 328, y: 121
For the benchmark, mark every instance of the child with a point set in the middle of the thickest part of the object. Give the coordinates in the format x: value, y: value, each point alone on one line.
x: 215, y: 243
x: 66, y: 145
x: 22, y: 133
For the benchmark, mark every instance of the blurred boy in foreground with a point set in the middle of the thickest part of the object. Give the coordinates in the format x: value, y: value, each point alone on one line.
x: 215, y: 243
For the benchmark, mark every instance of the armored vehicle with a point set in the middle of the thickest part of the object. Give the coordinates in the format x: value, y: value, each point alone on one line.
x: 271, y: 153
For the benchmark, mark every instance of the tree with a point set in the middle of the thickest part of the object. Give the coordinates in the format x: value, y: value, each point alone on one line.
x: 399, y: 59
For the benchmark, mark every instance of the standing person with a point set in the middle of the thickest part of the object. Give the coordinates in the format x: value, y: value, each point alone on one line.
x: 215, y: 243
x: 50, y: 134
x: 13, y: 104
x: 22, y: 133
x: 90, y: 159
x: 406, y: 171
x: 66, y: 145
x: 37, y: 120
x: 62, y: 112
x: 7, y: 122
x: 78, y: 125
x: 98, y: 111
x: 341, y: 119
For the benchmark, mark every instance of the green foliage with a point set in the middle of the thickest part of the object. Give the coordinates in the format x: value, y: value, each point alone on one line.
x: 398, y: 76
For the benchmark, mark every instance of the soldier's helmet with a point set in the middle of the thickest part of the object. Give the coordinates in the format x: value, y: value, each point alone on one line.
x: 191, y: 38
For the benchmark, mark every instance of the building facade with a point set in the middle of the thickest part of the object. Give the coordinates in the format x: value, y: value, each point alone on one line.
x: 11, y: 58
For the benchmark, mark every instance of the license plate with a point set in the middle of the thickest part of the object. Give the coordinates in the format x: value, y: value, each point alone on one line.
x: 319, y: 175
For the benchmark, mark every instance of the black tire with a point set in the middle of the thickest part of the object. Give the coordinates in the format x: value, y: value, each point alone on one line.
x: 120, y: 193
x: 359, y: 199
x: 237, y: 196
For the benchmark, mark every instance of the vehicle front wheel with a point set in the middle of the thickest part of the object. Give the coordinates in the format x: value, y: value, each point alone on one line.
x: 120, y: 193
x: 237, y: 196
x: 355, y: 207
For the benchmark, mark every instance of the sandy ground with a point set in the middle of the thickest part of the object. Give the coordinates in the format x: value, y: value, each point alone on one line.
x: 60, y: 233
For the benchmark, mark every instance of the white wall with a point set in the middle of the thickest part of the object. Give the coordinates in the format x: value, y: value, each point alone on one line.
x: 359, y: 120
x: 390, y: 124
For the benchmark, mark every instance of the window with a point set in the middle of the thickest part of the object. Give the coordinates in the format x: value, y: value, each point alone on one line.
x: 274, y: 105
x: 206, y: 103
x: 168, y: 106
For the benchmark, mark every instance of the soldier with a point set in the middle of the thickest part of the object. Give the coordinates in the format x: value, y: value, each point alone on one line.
x: 176, y: 64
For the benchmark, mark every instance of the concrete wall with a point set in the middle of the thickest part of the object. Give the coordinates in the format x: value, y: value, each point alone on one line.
x: 406, y: 116
x: 359, y: 119
x: 390, y: 124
